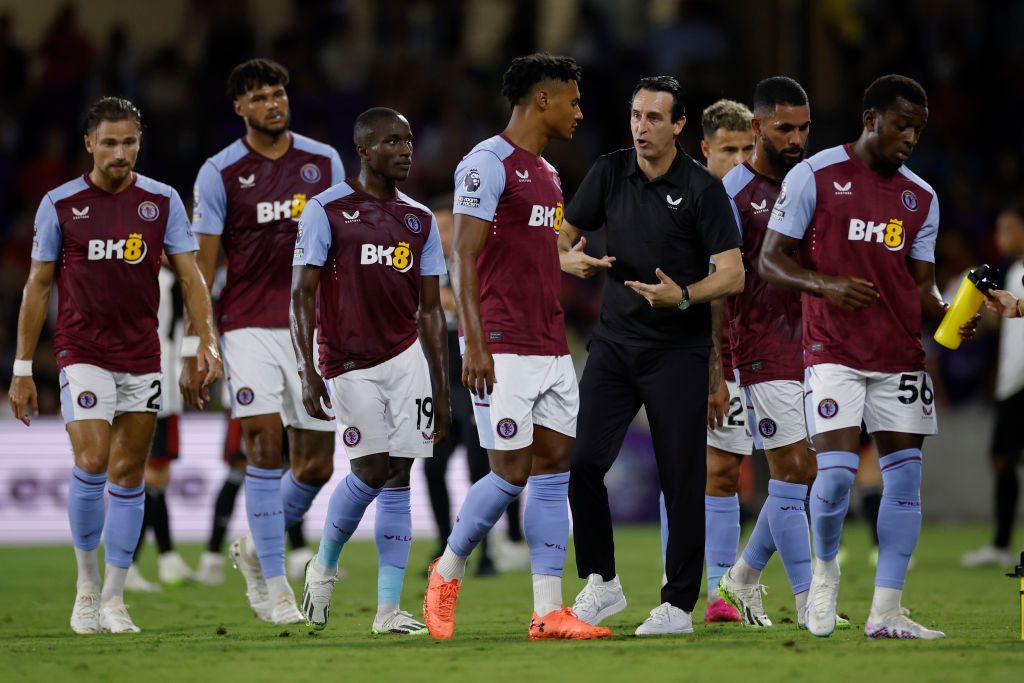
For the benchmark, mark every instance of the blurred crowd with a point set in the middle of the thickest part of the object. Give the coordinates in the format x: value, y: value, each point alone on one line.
x: 440, y: 63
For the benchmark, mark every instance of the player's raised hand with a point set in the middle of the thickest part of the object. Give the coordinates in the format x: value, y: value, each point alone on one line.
x: 851, y: 293
x: 24, y: 402
x: 718, y: 406
x: 579, y: 263
x: 1003, y: 303
x: 665, y: 294
x: 315, y: 396
x: 478, y: 370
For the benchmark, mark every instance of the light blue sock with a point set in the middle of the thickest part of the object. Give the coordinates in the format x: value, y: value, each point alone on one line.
x: 721, y: 535
x: 393, y: 532
x: 760, y: 546
x: 899, y: 517
x: 830, y: 499
x: 788, y: 523
x: 484, y: 505
x: 124, y: 524
x: 85, y: 508
x: 266, y: 517
x: 664, y: 529
x: 296, y: 498
x: 546, y: 522
x: 348, y: 503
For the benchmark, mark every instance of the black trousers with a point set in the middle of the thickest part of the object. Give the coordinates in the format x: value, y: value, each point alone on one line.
x: 672, y: 384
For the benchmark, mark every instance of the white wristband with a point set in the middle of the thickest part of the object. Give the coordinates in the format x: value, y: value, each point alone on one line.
x: 22, y: 368
x: 189, y: 347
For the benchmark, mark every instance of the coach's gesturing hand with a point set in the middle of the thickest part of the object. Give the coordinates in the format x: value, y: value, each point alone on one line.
x: 577, y: 262
x: 665, y: 294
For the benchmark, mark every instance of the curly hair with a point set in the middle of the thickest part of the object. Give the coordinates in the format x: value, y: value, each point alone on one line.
x: 254, y: 73
x: 524, y: 73
x: 883, y: 93
x: 728, y: 114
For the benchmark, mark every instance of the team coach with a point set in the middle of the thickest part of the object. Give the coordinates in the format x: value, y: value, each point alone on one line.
x: 666, y: 217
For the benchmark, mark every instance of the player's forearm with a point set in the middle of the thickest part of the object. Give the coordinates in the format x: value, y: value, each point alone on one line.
x: 567, y: 235
x: 781, y: 270
x: 715, y: 362
x: 724, y: 281
x: 206, y: 262
x: 198, y: 306
x: 31, y: 317
x: 301, y: 324
x: 466, y: 283
x: 434, y: 336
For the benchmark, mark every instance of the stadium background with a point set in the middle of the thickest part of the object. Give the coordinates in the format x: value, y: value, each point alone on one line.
x: 440, y: 63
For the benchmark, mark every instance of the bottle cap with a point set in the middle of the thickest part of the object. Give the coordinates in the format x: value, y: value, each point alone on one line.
x: 983, y: 277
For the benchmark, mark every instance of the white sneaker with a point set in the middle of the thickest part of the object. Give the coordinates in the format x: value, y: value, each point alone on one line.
x: 211, y: 569
x: 599, y: 600
x: 173, y: 571
x: 666, y: 620
x: 135, y: 581
x: 285, y: 610
x: 85, y: 615
x: 821, y: 603
x: 398, y: 622
x: 295, y: 568
x: 842, y: 624
x: 893, y: 624
x: 316, y: 595
x: 989, y: 556
x: 114, y: 618
x: 243, y: 554
x: 746, y: 598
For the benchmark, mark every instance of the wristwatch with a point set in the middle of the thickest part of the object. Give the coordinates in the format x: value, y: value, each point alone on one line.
x: 685, y: 303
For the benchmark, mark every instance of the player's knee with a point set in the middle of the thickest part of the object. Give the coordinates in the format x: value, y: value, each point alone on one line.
x: 313, y: 471
x: 723, y: 478
x: 399, y: 472
x: 125, y: 472
x: 372, y: 470
x: 835, y: 483
x: 903, y: 482
x: 264, y: 449
x: 514, y: 473
x: 92, y: 460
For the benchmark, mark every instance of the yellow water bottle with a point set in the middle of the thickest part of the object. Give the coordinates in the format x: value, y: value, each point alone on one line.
x: 966, y: 304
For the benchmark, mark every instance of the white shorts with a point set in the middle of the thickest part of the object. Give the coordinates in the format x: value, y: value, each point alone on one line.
x: 530, y: 391
x: 388, y: 408
x: 263, y: 376
x: 734, y: 436
x: 778, y: 408
x: 88, y: 392
x: 836, y: 397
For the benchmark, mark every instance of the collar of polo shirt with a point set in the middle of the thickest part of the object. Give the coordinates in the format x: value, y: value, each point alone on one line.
x: 673, y: 175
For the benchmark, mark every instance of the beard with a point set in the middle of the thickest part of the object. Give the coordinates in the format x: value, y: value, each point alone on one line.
x: 780, y: 163
x: 273, y: 133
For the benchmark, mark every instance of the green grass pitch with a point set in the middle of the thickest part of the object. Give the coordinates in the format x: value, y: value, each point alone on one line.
x: 208, y: 634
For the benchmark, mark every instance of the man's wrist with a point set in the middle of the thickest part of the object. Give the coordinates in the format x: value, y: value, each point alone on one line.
x: 1017, y: 309
x: 190, y: 346
x: 22, y: 368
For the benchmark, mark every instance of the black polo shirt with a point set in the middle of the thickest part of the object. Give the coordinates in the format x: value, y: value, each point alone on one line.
x: 674, y: 222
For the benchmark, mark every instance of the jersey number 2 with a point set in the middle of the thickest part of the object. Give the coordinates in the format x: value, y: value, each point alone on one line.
x: 154, y: 400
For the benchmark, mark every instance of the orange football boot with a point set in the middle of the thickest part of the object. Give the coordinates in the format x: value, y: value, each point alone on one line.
x: 439, y: 603
x: 563, y: 624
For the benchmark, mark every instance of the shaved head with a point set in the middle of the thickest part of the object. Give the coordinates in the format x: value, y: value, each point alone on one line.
x: 369, y: 122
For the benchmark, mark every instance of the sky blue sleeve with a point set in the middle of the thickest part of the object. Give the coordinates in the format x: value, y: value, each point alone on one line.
x: 210, y: 201
x: 432, y: 259
x: 337, y: 168
x: 47, y: 237
x: 178, y: 237
x: 314, y: 238
x: 794, y: 208
x: 479, y: 182
x: 923, y: 248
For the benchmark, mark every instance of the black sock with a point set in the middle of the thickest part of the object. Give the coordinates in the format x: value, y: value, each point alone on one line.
x: 222, y: 510
x: 515, y: 525
x: 296, y: 536
x: 871, y: 501
x: 159, y: 519
x: 1007, y: 490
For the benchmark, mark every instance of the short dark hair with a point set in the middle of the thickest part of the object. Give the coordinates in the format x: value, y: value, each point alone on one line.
x: 524, y: 73
x: 663, y: 84
x: 254, y: 73
x: 111, y: 109
x: 883, y: 93
x: 771, y: 92
x: 368, y: 120
x: 728, y: 114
